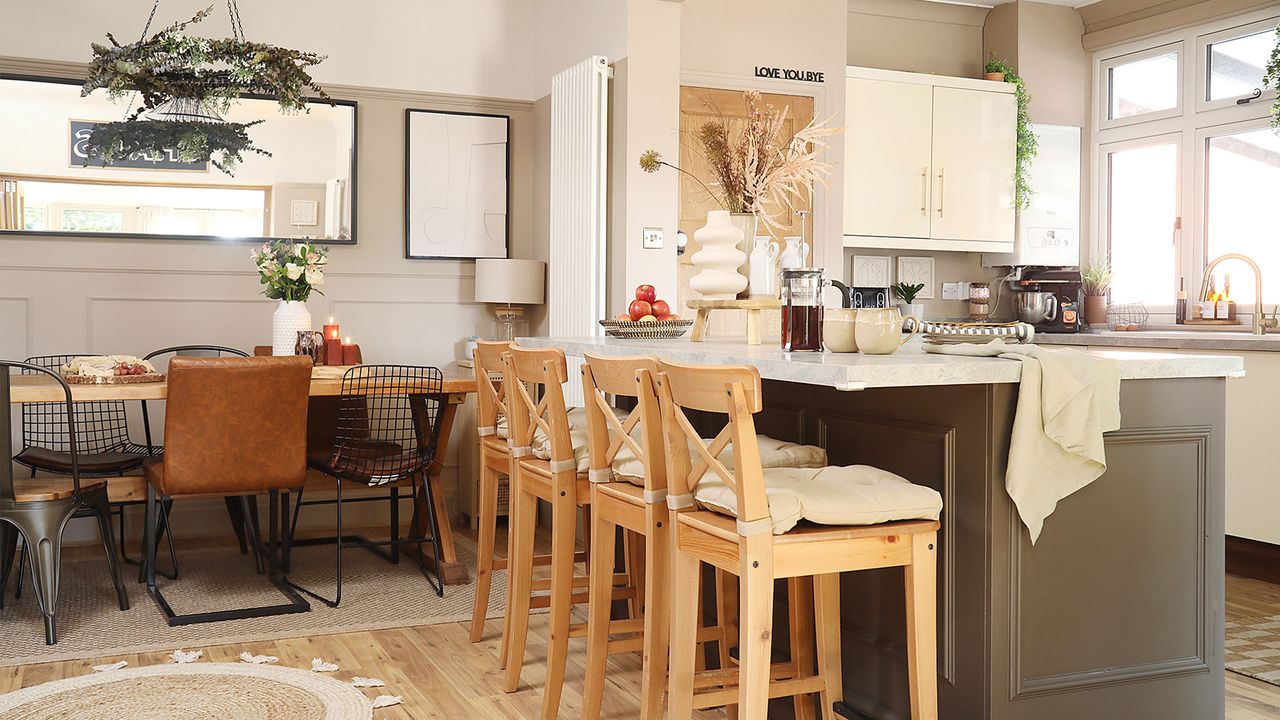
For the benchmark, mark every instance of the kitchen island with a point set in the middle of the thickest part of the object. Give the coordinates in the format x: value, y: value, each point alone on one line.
x: 1116, y: 612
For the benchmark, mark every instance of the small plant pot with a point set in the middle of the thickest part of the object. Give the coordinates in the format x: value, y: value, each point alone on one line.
x: 1095, y: 310
x: 915, y: 310
x: 998, y: 76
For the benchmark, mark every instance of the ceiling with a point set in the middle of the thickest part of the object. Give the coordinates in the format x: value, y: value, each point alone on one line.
x: 993, y: 3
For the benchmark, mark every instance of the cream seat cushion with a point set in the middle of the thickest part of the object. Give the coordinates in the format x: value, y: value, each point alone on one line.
x: 773, y: 454
x: 577, y: 436
x: 851, y: 495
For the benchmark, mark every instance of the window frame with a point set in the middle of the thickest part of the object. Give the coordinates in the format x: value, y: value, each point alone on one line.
x: 1104, y: 81
x: 1193, y: 123
x: 1203, y: 43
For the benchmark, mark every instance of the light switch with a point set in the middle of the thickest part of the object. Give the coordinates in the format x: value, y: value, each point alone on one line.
x: 951, y: 290
x: 651, y: 238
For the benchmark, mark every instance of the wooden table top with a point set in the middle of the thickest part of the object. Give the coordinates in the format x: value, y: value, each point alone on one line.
x: 326, y: 380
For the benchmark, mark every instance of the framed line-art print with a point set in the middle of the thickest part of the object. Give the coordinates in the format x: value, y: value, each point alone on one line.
x: 457, y: 189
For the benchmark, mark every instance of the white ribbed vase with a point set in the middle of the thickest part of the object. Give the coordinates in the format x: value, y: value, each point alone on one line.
x: 291, y: 317
x: 719, y: 259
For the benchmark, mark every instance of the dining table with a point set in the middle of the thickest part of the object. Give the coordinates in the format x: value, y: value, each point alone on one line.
x: 326, y: 381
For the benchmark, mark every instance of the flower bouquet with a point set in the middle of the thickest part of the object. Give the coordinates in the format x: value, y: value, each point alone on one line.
x: 290, y: 271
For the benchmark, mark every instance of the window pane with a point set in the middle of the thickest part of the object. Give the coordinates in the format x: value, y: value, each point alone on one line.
x: 33, y: 218
x: 1143, y: 190
x: 93, y: 220
x: 1236, y: 66
x: 1143, y: 86
x: 1241, y: 187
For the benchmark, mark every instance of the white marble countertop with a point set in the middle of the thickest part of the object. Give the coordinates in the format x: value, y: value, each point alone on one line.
x: 910, y: 366
x: 1167, y: 339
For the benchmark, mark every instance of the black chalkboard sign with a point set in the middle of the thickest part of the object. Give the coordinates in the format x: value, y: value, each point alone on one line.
x: 166, y: 160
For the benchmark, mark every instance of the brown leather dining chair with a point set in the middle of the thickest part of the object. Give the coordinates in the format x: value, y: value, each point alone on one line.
x: 233, y: 426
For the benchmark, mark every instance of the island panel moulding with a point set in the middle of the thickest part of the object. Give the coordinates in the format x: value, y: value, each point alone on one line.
x: 457, y: 168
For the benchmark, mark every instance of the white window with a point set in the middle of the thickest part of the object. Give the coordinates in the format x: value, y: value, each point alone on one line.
x: 1179, y: 182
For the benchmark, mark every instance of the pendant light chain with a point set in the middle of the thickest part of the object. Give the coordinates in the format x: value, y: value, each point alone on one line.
x: 237, y: 27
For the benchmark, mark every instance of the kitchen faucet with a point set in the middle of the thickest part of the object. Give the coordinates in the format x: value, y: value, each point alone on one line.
x: 1261, y: 323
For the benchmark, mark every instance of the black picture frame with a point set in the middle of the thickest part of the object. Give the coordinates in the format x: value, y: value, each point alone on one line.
x: 408, y: 190
x: 355, y: 174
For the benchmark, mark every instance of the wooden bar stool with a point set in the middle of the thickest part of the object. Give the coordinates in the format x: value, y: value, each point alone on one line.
x: 542, y: 427
x: 748, y: 538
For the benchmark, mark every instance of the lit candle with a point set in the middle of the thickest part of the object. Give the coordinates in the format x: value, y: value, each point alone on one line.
x: 350, y: 353
x: 331, y: 330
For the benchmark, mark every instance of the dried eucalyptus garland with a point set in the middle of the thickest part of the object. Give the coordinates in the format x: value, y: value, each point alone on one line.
x: 186, y: 84
x: 220, y: 143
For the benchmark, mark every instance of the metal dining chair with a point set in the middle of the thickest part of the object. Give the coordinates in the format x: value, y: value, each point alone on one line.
x: 386, y: 435
x: 38, y: 509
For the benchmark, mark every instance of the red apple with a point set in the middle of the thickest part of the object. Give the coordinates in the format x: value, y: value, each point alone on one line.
x: 639, y: 308
x: 648, y: 318
x: 646, y: 293
x: 622, y: 316
x: 661, y: 308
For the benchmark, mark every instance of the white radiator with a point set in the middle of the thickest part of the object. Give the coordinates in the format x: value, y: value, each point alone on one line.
x: 579, y: 165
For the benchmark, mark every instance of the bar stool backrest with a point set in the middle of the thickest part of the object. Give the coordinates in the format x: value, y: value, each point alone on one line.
x: 491, y: 398
x: 538, y: 372
x: 727, y: 390
x: 641, y: 432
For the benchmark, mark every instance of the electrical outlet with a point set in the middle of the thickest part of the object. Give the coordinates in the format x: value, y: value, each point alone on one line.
x: 651, y: 238
x: 951, y: 290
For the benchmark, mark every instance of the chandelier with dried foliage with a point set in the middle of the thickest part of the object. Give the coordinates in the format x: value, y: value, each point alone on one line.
x: 186, y: 84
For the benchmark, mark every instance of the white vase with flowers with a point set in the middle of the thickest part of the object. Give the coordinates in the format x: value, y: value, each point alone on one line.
x: 290, y: 272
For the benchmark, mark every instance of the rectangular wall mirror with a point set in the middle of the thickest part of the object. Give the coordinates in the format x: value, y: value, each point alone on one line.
x: 306, y: 188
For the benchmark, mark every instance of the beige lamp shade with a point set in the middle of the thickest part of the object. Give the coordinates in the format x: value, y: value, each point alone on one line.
x: 507, y: 281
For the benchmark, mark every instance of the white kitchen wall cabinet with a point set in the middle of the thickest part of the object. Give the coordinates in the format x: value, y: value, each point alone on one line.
x: 928, y: 162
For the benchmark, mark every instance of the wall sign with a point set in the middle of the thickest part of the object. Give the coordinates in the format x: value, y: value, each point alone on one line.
x: 166, y: 160
x: 789, y: 74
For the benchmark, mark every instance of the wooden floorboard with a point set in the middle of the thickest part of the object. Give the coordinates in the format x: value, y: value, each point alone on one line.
x: 440, y: 674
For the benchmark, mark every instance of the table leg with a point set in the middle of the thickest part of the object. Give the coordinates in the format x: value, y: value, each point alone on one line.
x: 452, y: 572
x: 753, y: 327
x: 700, y: 325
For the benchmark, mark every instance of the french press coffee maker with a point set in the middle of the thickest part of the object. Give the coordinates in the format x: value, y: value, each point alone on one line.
x: 802, y: 308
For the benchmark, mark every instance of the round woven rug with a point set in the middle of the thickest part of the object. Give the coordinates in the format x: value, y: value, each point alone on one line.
x: 196, y: 691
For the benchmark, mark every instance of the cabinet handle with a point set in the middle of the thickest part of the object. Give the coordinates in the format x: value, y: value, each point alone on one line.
x: 924, y: 191
x: 942, y: 189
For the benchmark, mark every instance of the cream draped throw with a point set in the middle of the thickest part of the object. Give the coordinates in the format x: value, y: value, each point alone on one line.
x: 1067, y: 399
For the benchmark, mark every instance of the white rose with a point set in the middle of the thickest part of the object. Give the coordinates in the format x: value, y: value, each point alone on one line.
x: 302, y: 250
x: 293, y: 271
x: 315, y: 277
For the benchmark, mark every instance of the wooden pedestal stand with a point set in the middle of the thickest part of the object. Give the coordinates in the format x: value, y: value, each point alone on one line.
x: 753, y: 306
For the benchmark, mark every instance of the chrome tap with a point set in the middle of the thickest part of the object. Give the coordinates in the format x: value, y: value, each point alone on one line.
x: 1261, y: 323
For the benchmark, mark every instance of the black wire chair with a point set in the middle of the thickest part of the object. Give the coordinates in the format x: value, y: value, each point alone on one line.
x: 103, y: 443
x: 387, y: 435
x: 40, y: 515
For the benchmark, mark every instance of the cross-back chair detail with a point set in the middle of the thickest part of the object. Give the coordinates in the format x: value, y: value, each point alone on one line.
x: 541, y: 371
x: 630, y: 377
x: 491, y: 396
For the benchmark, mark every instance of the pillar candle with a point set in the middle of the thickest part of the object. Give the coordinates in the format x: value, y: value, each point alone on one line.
x: 350, y: 353
x: 331, y: 330
x: 332, y: 351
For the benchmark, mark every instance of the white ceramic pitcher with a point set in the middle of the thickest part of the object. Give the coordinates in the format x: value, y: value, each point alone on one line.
x: 794, y: 254
x: 764, y: 275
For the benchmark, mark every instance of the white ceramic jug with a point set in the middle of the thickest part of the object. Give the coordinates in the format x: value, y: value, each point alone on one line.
x: 764, y: 275
x: 795, y: 254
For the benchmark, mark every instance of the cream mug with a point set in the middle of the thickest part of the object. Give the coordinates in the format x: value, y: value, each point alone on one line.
x: 878, y: 331
x: 838, y: 329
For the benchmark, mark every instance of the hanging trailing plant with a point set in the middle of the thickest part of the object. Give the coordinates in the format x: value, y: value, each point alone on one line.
x: 221, y: 143
x: 213, y: 72
x: 1028, y: 145
x: 1271, y: 79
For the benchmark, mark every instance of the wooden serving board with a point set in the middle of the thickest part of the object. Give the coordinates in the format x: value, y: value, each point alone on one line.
x: 753, y: 307
x: 114, y: 379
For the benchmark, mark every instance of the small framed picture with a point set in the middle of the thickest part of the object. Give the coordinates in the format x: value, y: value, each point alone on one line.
x: 871, y: 271
x: 303, y: 212
x: 917, y: 271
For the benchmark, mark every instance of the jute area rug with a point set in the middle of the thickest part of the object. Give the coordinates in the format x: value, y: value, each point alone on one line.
x: 1253, y: 647
x: 198, y: 691
x: 376, y: 595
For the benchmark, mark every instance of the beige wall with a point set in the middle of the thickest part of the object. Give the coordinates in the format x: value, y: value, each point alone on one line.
x: 916, y: 36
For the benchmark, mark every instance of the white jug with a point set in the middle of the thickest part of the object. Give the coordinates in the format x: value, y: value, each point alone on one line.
x: 764, y: 276
x: 795, y: 254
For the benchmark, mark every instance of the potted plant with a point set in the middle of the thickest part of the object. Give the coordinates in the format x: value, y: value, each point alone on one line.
x: 1271, y: 79
x: 907, y: 292
x: 1096, y: 282
x: 1028, y: 146
x: 290, y: 271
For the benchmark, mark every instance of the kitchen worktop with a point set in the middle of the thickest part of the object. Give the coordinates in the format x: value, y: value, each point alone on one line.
x: 909, y: 367
x: 1167, y: 339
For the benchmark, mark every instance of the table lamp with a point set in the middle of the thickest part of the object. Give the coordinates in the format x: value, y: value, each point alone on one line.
x: 508, y: 284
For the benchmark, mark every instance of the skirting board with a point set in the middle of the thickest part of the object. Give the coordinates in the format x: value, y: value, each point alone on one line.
x: 1253, y: 559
